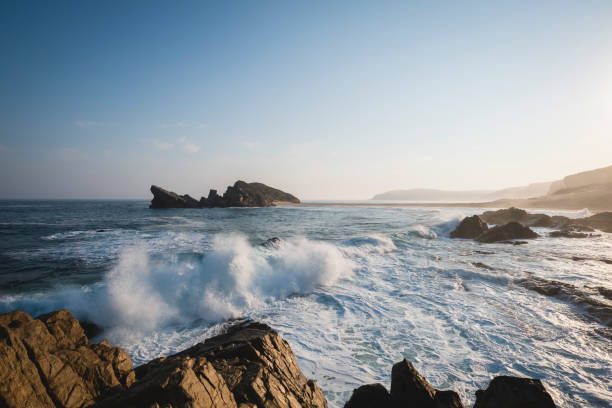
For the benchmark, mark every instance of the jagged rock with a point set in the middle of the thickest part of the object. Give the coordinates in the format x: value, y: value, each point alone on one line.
x: 168, y: 199
x: 241, y: 194
x: 272, y: 243
x: 368, y: 396
x: 601, y: 221
x: 469, y: 227
x: 512, y: 214
x: 510, y: 231
x: 250, y: 365
x: 409, y: 387
x: 514, y: 392
x: 48, y: 362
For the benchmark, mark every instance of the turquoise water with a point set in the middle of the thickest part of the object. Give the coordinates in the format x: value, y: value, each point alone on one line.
x: 353, y: 289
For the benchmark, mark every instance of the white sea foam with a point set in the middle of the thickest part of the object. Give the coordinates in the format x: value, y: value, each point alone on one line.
x: 233, y: 278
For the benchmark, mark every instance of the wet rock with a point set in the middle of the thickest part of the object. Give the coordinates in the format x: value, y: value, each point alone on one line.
x: 368, y: 396
x: 588, y: 305
x: 48, y: 362
x: 483, y: 266
x: 447, y: 399
x: 91, y: 329
x: 409, y: 387
x: 248, y: 366
x: 469, y: 227
x: 566, y: 233
x: 504, y: 216
x: 272, y: 243
x: 510, y: 231
x: 514, y: 392
x: 601, y: 221
x: 168, y: 199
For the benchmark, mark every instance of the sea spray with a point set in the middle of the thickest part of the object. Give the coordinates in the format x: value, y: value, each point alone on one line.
x: 144, y: 293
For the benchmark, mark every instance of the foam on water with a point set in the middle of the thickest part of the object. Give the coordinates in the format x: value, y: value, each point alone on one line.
x: 353, y: 290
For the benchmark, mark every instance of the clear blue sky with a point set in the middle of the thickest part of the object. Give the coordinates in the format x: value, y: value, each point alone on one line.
x: 337, y: 100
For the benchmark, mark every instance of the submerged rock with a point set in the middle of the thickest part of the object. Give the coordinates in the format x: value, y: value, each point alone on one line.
x: 510, y: 231
x: 470, y: 227
x: 514, y: 392
x: 272, y: 243
x: 584, y: 298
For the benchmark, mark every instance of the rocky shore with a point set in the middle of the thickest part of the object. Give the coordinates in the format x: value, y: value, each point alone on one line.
x: 49, y: 362
x: 241, y: 194
x: 514, y: 223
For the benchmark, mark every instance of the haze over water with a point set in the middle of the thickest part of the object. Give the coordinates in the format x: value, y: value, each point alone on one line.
x: 352, y: 289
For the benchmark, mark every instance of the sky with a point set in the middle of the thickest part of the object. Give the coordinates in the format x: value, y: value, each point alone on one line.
x: 323, y: 99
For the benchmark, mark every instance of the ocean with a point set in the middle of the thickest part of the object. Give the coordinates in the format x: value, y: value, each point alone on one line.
x: 352, y: 289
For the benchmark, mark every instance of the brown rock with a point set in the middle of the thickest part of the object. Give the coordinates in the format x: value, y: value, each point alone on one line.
x: 512, y: 230
x: 409, y: 387
x: 514, y: 392
x: 367, y: 396
x: 248, y: 366
x: 470, y: 227
x: 48, y: 362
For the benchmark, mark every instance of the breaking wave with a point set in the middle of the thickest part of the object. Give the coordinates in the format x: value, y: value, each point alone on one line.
x: 144, y: 293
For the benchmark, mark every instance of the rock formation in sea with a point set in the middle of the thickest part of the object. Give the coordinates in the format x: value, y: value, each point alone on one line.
x: 241, y: 194
x: 506, y: 232
x: 601, y: 221
x: 470, y: 227
x: 513, y: 223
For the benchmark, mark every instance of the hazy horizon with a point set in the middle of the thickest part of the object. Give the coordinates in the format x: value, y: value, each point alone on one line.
x: 325, y: 101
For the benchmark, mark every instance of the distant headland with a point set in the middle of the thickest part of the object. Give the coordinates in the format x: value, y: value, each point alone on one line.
x: 241, y: 194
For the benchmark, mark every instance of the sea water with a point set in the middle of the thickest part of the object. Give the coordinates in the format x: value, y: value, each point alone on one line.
x: 352, y: 289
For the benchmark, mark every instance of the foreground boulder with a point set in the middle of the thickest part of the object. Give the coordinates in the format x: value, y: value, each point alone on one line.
x: 48, y: 362
x: 507, y: 232
x: 248, y: 366
x: 241, y: 194
x: 514, y: 392
x: 470, y: 227
x: 410, y: 389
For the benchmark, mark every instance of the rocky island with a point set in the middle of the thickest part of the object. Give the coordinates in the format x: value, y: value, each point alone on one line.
x: 241, y: 194
x: 50, y: 362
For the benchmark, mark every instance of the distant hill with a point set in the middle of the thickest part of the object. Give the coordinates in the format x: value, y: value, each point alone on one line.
x: 586, y: 178
x: 532, y: 190
x: 589, y: 189
x: 424, y: 194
